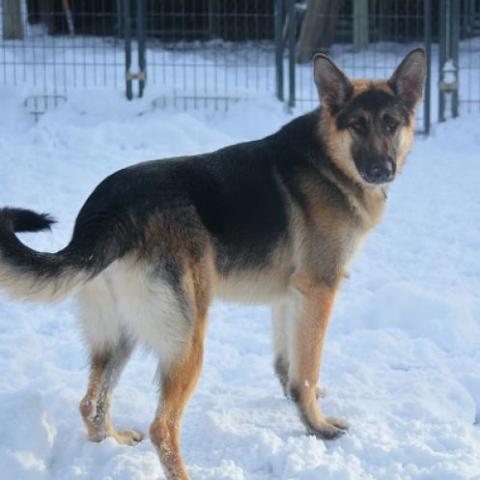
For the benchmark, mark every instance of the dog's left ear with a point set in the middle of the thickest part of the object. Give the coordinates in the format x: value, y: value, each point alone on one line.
x: 408, y: 79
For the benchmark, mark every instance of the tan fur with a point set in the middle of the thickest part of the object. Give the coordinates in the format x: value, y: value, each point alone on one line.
x: 95, y: 407
x: 315, y: 305
x: 362, y: 84
x: 259, y: 286
x: 180, y: 378
x: 282, y: 315
x: 405, y: 144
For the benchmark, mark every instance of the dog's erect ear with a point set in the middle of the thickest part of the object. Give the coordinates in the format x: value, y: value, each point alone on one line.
x: 333, y: 85
x: 408, y: 79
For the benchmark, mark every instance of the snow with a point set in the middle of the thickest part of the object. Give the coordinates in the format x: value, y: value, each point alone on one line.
x: 402, y: 355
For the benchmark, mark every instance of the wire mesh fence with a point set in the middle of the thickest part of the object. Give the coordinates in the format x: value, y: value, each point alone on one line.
x: 469, y: 56
x: 210, y: 53
x: 47, y: 51
x: 199, y: 53
x: 39, y: 50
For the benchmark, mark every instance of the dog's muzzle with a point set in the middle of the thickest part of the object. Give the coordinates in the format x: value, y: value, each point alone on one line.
x: 379, y: 172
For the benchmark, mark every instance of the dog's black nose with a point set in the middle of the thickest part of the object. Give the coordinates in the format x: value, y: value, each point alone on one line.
x: 380, y: 172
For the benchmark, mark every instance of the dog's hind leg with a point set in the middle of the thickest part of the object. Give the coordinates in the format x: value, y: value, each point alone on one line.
x: 177, y: 384
x: 179, y: 374
x: 105, y: 370
x: 110, y: 348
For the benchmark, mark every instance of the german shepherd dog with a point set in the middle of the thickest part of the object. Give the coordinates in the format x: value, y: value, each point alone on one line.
x: 273, y: 221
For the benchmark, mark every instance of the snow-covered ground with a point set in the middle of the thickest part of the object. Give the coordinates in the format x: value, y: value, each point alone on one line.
x: 402, y: 359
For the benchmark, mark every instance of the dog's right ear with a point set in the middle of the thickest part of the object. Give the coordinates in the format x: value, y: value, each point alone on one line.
x: 333, y: 85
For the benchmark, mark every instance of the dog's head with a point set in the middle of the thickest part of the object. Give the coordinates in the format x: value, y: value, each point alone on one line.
x: 368, y: 125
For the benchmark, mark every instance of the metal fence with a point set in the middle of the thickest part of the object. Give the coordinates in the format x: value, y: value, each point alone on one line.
x: 190, y: 53
x: 210, y: 53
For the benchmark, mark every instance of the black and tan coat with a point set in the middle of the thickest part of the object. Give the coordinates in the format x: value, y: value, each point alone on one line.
x: 274, y: 221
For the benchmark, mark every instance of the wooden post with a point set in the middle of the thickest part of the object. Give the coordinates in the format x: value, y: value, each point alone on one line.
x: 360, y: 25
x: 318, y: 28
x: 12, y: 19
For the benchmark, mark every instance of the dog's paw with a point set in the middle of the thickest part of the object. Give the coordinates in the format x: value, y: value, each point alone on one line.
x: 127, y: 437
x: 326, y: 430
x: 340, y: 423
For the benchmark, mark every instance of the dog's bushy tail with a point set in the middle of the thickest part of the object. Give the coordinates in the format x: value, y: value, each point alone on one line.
x: 27, y: 274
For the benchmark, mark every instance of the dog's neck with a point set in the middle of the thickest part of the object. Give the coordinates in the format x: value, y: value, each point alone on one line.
x: 367, y: 203
x: 374, y: 204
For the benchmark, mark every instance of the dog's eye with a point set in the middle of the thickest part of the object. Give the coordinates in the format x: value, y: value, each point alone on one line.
x: 390, y: 124
x: 359, y: 126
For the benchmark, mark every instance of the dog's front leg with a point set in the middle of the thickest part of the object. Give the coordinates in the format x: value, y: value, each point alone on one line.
x: 306, y: 347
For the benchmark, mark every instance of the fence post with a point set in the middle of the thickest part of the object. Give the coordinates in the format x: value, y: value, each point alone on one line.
x: 441, y: 57
x: 142, y: 74
x: 360, y: 25
x: 454, y: 51
x: 12, y: 19
x: 127, y: 32
x: 427, y: 19
x: 292, y: 40
x: 278, y: 12
x: 448, y: 57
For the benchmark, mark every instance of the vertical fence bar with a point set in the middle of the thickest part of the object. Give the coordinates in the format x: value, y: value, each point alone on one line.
x: 142, y: 74
x: 278, y: 12
x: 442, y: 57
x: 449, y: 57
x: 427, y: 22
x: 127, y: 32
x: 454, y: 49
x: 292, y: 40
x: 360, y: 25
